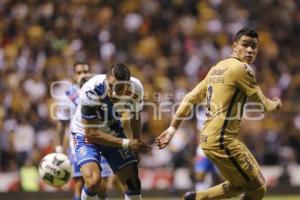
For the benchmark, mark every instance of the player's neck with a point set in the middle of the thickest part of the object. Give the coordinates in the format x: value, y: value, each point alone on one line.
x: 233, y: 56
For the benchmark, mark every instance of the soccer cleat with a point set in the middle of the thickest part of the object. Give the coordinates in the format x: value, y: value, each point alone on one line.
x: 189, y: 196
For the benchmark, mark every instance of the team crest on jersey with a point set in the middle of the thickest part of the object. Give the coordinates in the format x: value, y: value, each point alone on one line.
x: 249, y: 70
x: 250, y: 73
x: 82, y: 151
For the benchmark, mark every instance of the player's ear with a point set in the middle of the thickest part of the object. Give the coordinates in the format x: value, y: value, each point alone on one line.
x: 234, y: 45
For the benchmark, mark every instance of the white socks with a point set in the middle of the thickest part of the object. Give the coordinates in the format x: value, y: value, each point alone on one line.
x: 133, y: 197
x: 87, y: 195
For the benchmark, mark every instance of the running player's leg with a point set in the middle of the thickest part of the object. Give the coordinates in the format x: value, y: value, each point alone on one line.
x: 222, y: 191
x: 130, y: 181
x: 92, y: 179
x: 124, y: 164
x: 256, y: 189
x: 226, y: 190
x: 255, y: 194
x: 239, y: 168
x: 88, y: 157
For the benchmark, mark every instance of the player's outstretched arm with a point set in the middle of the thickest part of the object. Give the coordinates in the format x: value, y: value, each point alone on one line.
x: 94, y: 135
x: 268, y: 104
x: 197, y: 95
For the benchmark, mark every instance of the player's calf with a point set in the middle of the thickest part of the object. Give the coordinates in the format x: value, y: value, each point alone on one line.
x: 133, y: 191
x: 91, y: 175
x: 130, y: 181
x: 92, y: 182
x: 102, y: 190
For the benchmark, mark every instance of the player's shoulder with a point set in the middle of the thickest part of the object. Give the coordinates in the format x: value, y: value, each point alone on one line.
x: 136, y: 89
x: 233, y: 63
x: 136, y: 83
x: 92, y: 90
x: 99, y: 78
x: 239, y: 67
x: 93, y: 82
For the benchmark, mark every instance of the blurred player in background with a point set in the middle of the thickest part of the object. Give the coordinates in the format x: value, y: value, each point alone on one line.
x: 81, y: 74
x: 97, y: 128
x: 226, y: 89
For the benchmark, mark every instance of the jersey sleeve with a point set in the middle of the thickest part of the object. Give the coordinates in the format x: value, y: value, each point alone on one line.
x: 245, y: 79
x: 197, y: 95
x: 90, y: 100
x: 91, y: 97
x: 137, y: 98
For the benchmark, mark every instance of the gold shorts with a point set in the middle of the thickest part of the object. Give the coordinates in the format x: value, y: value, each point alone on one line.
x: 235, y: 163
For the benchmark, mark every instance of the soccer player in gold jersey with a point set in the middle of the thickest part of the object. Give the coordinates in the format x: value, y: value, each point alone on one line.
x: 226, y: 88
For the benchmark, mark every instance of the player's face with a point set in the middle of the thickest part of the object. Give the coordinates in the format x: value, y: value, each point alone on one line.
x: 81, y: 70
x: 116, y: 88
x: 246, y: 49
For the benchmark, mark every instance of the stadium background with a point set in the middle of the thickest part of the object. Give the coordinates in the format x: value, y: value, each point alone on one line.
x: 169, y: 45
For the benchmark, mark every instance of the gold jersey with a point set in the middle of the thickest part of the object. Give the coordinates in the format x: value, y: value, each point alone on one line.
x: 225, y: 90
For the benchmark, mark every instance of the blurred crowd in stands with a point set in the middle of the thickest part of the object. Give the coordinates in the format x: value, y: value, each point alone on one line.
x: 168, y: 44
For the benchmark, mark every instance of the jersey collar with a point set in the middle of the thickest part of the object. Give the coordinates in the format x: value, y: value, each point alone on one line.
x: 235, y: 58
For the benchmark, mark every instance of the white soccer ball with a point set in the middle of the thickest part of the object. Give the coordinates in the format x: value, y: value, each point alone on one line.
x: 55, y: 169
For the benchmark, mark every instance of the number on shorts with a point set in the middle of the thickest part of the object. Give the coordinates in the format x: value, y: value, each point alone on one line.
x: 125, y: 153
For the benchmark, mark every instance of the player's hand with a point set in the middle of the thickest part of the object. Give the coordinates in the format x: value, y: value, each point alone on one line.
x: 278, y: 103
x: 164, y: 139
x: 139, y: 146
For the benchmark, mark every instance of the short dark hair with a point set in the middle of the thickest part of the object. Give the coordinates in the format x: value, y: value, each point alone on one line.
x: 245, y: 31
x: 81, y: 63
x: 120, y: 71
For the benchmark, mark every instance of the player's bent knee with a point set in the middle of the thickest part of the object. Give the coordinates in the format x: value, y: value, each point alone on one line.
x: 257, y: 194
x: 92, y: 181
x: 254, y: 185
x: 91, y: 175
x: 261, y: 192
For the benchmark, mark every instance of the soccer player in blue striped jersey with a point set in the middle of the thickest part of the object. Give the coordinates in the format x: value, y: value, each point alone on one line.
x: 97, y: 130
x: 71, y: 99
